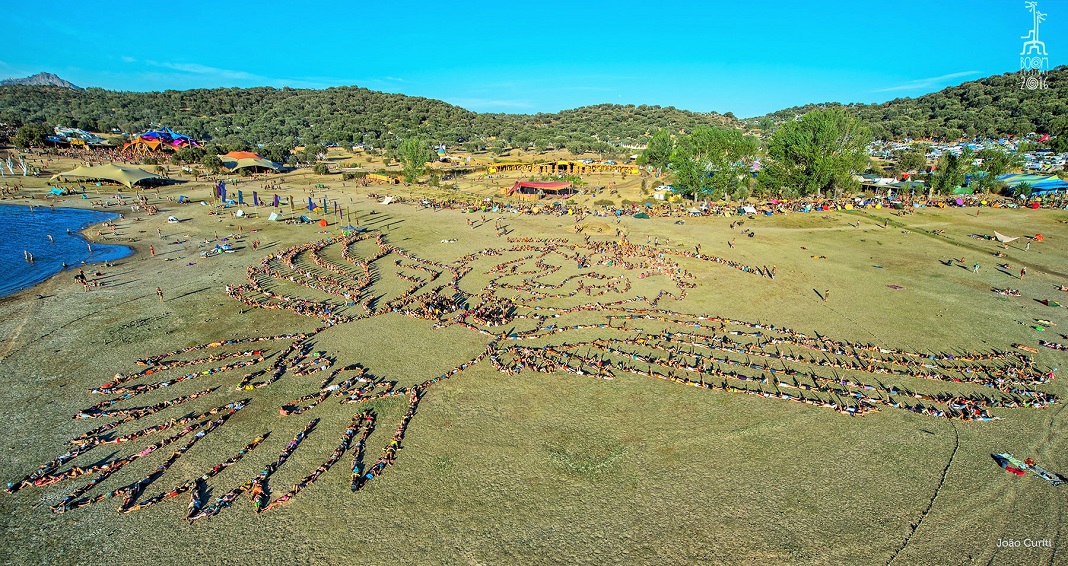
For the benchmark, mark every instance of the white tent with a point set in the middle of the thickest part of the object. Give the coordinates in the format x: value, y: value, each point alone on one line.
x: 1003, y: 238
x: 749, y: 209
x: 386, y: 200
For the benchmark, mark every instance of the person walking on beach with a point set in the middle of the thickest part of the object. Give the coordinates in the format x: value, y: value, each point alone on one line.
x: 1023, y: 271
x: 975, y: 268
x: 160, y: 293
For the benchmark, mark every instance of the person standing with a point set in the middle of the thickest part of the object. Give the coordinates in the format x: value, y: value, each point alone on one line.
x: 826, y: 294
x: 159, y: 292
x: 975, y: 268
x: 1023, y: 271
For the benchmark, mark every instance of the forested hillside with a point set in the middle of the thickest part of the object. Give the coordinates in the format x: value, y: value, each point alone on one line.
x: 990, y: 107
x: 342, y: 115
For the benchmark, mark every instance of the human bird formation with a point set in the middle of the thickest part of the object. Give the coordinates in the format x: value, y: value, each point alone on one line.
x: 595, y: 307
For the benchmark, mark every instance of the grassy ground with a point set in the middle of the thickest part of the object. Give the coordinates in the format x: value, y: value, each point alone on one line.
x: 557, y: 467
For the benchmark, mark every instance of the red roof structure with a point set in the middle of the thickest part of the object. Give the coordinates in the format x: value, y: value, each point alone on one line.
x: 536, y: 189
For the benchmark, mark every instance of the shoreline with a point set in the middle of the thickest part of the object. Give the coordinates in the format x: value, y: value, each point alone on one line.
x: 123, y: 251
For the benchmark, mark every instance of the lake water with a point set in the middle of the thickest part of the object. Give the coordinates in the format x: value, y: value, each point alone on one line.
x: 24, y: 231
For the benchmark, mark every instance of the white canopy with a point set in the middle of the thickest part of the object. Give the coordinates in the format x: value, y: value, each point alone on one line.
x: 1003, y: 238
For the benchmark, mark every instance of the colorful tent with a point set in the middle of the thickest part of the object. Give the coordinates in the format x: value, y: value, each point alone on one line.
x: 164, y: 138
x: 128, y: 176
x: 243, y: 159
x: 1040, y: 184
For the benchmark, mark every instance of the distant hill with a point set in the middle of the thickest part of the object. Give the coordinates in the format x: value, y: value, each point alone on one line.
x: 41, y: 79
x: 990, y: 107
x: 241, y: 118
x: 342, y: 115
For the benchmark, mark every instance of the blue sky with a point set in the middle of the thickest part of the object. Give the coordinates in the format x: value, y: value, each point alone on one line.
x: 749, y: 57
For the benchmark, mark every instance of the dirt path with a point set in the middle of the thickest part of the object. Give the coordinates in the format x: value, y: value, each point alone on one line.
x: 934, y: 497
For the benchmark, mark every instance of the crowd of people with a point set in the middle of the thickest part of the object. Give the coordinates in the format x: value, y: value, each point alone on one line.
x: 527, y: 285
x: 256, y: 484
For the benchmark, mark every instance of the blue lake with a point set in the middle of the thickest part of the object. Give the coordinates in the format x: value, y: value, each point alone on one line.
x: 24, y: 231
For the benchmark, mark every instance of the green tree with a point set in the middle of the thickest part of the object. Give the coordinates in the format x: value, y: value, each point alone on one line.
x: 30, y: 134
x: 213, y: 163
x: 311, y: 152
x: 1058, y: 130
x: 950, y: 171
x: 189, y: 155
x: 711, y: 162
x: 275, y: 152
x: 819, y: 152
x: 414, y: 153
x: 911, y: 160
x: 321, y: 169
x: 995, y: 163
x: 658, y: 151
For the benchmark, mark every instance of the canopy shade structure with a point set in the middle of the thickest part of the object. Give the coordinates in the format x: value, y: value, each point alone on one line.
x: 1040, y: 184
x: 1003, y: 238
x: 128, y: 176
x: 530, y: 189
x: 243, y: 159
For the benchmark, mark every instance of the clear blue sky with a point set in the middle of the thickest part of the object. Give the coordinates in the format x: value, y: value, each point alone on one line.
x: 749, y: 57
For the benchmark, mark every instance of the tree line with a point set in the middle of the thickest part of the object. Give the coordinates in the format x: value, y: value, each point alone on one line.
x: 991, y: 107
x: 246, y: 118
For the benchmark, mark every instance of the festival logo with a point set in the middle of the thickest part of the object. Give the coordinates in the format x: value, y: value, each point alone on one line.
x: 1034, y: 61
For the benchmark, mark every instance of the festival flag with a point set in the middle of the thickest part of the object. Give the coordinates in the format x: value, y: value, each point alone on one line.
x: 311, y: 205
x: 277, y: 201
x: 240, y: 197
x: 255, y: 199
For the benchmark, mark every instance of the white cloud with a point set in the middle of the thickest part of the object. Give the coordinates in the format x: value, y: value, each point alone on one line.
x: 204, y: 70
x: 492, y: 104
x: 928, y: 82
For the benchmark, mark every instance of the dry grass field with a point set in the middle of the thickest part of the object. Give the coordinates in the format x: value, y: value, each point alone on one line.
x: 549, y: 467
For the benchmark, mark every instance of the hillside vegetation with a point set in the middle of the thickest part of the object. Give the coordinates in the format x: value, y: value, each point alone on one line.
x: 341, y: 115
x: 993, y: 106
x: 990, y: 107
